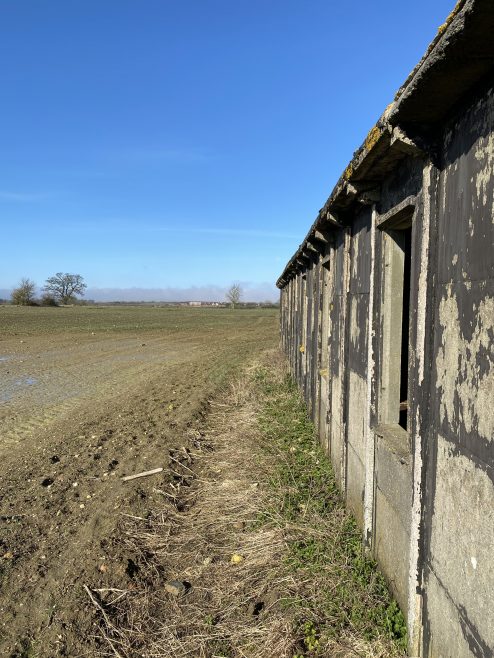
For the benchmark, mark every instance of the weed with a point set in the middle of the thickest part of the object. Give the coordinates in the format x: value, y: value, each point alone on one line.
x: 220, y: 649
x: 324, y: 542
x: 310, y: 636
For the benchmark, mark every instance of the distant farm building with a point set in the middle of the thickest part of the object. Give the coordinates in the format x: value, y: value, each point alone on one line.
x: 387, y: 317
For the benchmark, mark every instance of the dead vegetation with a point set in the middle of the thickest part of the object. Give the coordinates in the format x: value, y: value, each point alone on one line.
x: 251, y: 554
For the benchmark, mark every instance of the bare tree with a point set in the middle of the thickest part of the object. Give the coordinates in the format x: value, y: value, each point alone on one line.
x: 65, y: 287
x: 23, y: 295
x: 233, y: 294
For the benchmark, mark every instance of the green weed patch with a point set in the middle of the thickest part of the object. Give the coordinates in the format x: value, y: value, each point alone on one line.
x: 343, y: 592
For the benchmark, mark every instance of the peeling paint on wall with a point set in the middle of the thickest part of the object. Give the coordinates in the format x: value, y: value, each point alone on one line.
x: 467, y: 580
x: 354, y: 324
x: 467, y: 398
x: 423, y: 488
x: 484, y: 155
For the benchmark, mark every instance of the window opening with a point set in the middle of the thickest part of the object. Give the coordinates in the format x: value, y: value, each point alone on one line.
x: 397, y: 255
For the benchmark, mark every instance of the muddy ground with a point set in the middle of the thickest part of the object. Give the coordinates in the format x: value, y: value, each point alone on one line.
x: 87, y: 397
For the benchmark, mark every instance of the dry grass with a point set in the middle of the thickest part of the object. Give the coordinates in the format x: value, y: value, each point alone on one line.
x: 233, y: 497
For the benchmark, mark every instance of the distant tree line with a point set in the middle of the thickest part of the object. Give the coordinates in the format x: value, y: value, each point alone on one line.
x: 62, y: 288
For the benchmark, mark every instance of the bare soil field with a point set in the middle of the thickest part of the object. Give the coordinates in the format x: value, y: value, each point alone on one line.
x: 88, y: 395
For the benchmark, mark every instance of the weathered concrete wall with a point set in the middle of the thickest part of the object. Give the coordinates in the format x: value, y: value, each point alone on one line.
x: 337, y: 371
x: 460, y: 509
x: 358, y: 312
x: 391, y: 522
x: 392, y: 510
x: 325, y: 346
x: 409, y: 424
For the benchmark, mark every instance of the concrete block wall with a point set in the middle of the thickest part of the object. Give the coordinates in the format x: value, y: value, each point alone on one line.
x: 420, y: 481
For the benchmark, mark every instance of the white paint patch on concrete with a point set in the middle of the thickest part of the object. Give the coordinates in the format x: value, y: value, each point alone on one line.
x: 462, y: 526
x: 484, y: 153
x: 369, y: 434
x: 357, y: 413
x: 354, y: 325
x: 458, y: 373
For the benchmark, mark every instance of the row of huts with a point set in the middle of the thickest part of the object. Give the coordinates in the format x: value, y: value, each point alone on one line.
x: 387, y: 318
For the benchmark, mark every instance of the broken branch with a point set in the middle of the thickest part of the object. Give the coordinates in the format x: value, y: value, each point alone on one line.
x: 126, y: 478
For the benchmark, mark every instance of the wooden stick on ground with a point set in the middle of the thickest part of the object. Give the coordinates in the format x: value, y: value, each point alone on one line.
x: 182, y: 465
x: 142, y: 475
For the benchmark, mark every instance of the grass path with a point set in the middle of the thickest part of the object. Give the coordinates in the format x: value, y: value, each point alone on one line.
x: 252, y: 553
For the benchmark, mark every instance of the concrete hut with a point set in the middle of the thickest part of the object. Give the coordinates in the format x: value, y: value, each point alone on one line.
x: 387, y: 318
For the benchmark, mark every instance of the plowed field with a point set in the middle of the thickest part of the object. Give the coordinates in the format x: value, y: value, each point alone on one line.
x: 88, y: 395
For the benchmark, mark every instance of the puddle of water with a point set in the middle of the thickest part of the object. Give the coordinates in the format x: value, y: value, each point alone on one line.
x: 4, y: 358
x: 29, y: 381
x: 7, y: 395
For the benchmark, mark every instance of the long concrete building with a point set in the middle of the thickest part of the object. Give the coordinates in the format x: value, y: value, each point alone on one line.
x: 387, y: 318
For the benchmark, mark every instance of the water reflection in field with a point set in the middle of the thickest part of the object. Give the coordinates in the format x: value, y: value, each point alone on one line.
x: 10, y: 389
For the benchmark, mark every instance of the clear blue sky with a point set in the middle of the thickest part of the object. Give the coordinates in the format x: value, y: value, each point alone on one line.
x: 167, y: 144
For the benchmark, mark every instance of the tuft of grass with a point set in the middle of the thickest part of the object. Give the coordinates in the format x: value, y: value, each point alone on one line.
x: 344, y: 592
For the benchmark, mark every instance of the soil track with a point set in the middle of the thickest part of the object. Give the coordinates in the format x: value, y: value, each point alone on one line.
x: 86, y: 397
